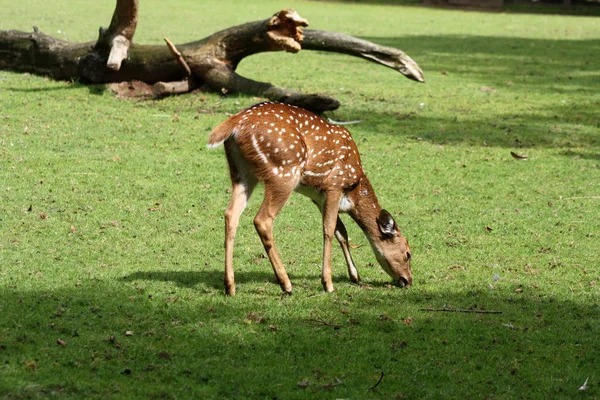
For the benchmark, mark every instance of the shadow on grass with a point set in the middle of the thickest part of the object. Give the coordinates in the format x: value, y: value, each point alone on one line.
x: 525, y: 130
x: 578, y: 154
x: 235, y: 347
x: 214, y: 279
x: 191, y: 279
x: 580, y: 8
x: 95, y: 89
x: 528, y: 75
x: 501, y: 58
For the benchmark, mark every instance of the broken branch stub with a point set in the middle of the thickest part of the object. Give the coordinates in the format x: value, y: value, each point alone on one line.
x: 178, y: 57
x: 118, y: 52
x: 119, y: 34
x: 284, y: 30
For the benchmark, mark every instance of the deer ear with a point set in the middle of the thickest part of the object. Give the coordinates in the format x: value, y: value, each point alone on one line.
x: 386, y: 223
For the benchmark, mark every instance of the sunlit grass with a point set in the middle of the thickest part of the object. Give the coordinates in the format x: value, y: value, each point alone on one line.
x: 111, y: 226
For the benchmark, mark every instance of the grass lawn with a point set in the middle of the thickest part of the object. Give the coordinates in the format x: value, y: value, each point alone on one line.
x: 111, y: 219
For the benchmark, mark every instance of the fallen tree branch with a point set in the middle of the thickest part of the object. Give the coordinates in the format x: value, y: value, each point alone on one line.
x: 378, y: 382
x: 177, y: 87
x: 321, y: 321
x: 211, y: 61
x: 460, y: 311
x: 167, y: 88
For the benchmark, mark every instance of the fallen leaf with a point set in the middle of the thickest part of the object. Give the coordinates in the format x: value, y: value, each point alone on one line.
x: 73, y: 230
x: 128, y: 333
x: 164, y: 355
x: 407, y: 321
x: 518, y: 156
x: 487, y: 89
x: 584, y: 386
x: 384, y: 317
x: 61, y: 343
x: 253, y: 317
x: 303, y: 384
x: 488, y: 229
x: 31, y: 365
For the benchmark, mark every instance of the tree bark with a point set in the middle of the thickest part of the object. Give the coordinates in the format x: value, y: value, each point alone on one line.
x: 211, y: 61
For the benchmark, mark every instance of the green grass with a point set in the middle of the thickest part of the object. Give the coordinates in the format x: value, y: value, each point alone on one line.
x: 111, y: 225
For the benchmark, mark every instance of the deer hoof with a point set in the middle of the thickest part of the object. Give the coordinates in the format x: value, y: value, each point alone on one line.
x: 287, y: 291
x: 230, y: 290
x: 328, y: 288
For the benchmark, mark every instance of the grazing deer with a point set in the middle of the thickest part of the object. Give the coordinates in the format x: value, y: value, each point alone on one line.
x: 290, y: 149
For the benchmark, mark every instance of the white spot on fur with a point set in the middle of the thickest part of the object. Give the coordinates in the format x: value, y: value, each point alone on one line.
x: 258, y: 151
x: 346, y: 204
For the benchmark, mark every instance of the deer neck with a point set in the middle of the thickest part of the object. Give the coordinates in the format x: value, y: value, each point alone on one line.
x: 365, y: 208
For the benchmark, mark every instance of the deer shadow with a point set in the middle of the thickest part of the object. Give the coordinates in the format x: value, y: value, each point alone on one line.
x: 214, y: 279
x: 190, y: 279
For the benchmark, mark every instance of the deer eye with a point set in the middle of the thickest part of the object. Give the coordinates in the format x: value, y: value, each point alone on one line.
x: 408, y: 255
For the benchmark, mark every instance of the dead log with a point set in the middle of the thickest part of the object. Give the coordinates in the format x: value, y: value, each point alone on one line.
x: 211, y: 61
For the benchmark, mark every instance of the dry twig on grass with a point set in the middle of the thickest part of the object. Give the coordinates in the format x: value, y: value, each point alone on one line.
x: 378, y: 382
x: 321, y: 321
x: 460, y: 311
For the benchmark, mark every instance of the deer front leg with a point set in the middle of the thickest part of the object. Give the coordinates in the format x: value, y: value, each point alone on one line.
x: 239, y: 199
x: 330, y: 217
x: 342, y: 237
x: 275, y: 199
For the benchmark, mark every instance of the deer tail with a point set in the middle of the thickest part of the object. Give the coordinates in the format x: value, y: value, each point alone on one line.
x: 221, y: 133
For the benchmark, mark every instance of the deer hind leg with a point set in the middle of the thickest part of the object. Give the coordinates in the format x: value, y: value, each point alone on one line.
x: 275, y: 198
x: 239, y: 199
x: 330, y: 218
x: 342, y: 237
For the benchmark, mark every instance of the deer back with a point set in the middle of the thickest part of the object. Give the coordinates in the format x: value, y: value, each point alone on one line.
x: 284, y: 143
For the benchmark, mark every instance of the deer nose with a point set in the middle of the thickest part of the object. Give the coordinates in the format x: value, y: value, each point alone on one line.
x: 404, y: 282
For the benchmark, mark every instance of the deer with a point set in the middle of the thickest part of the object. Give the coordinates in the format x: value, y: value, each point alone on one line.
x: 288, y: 149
